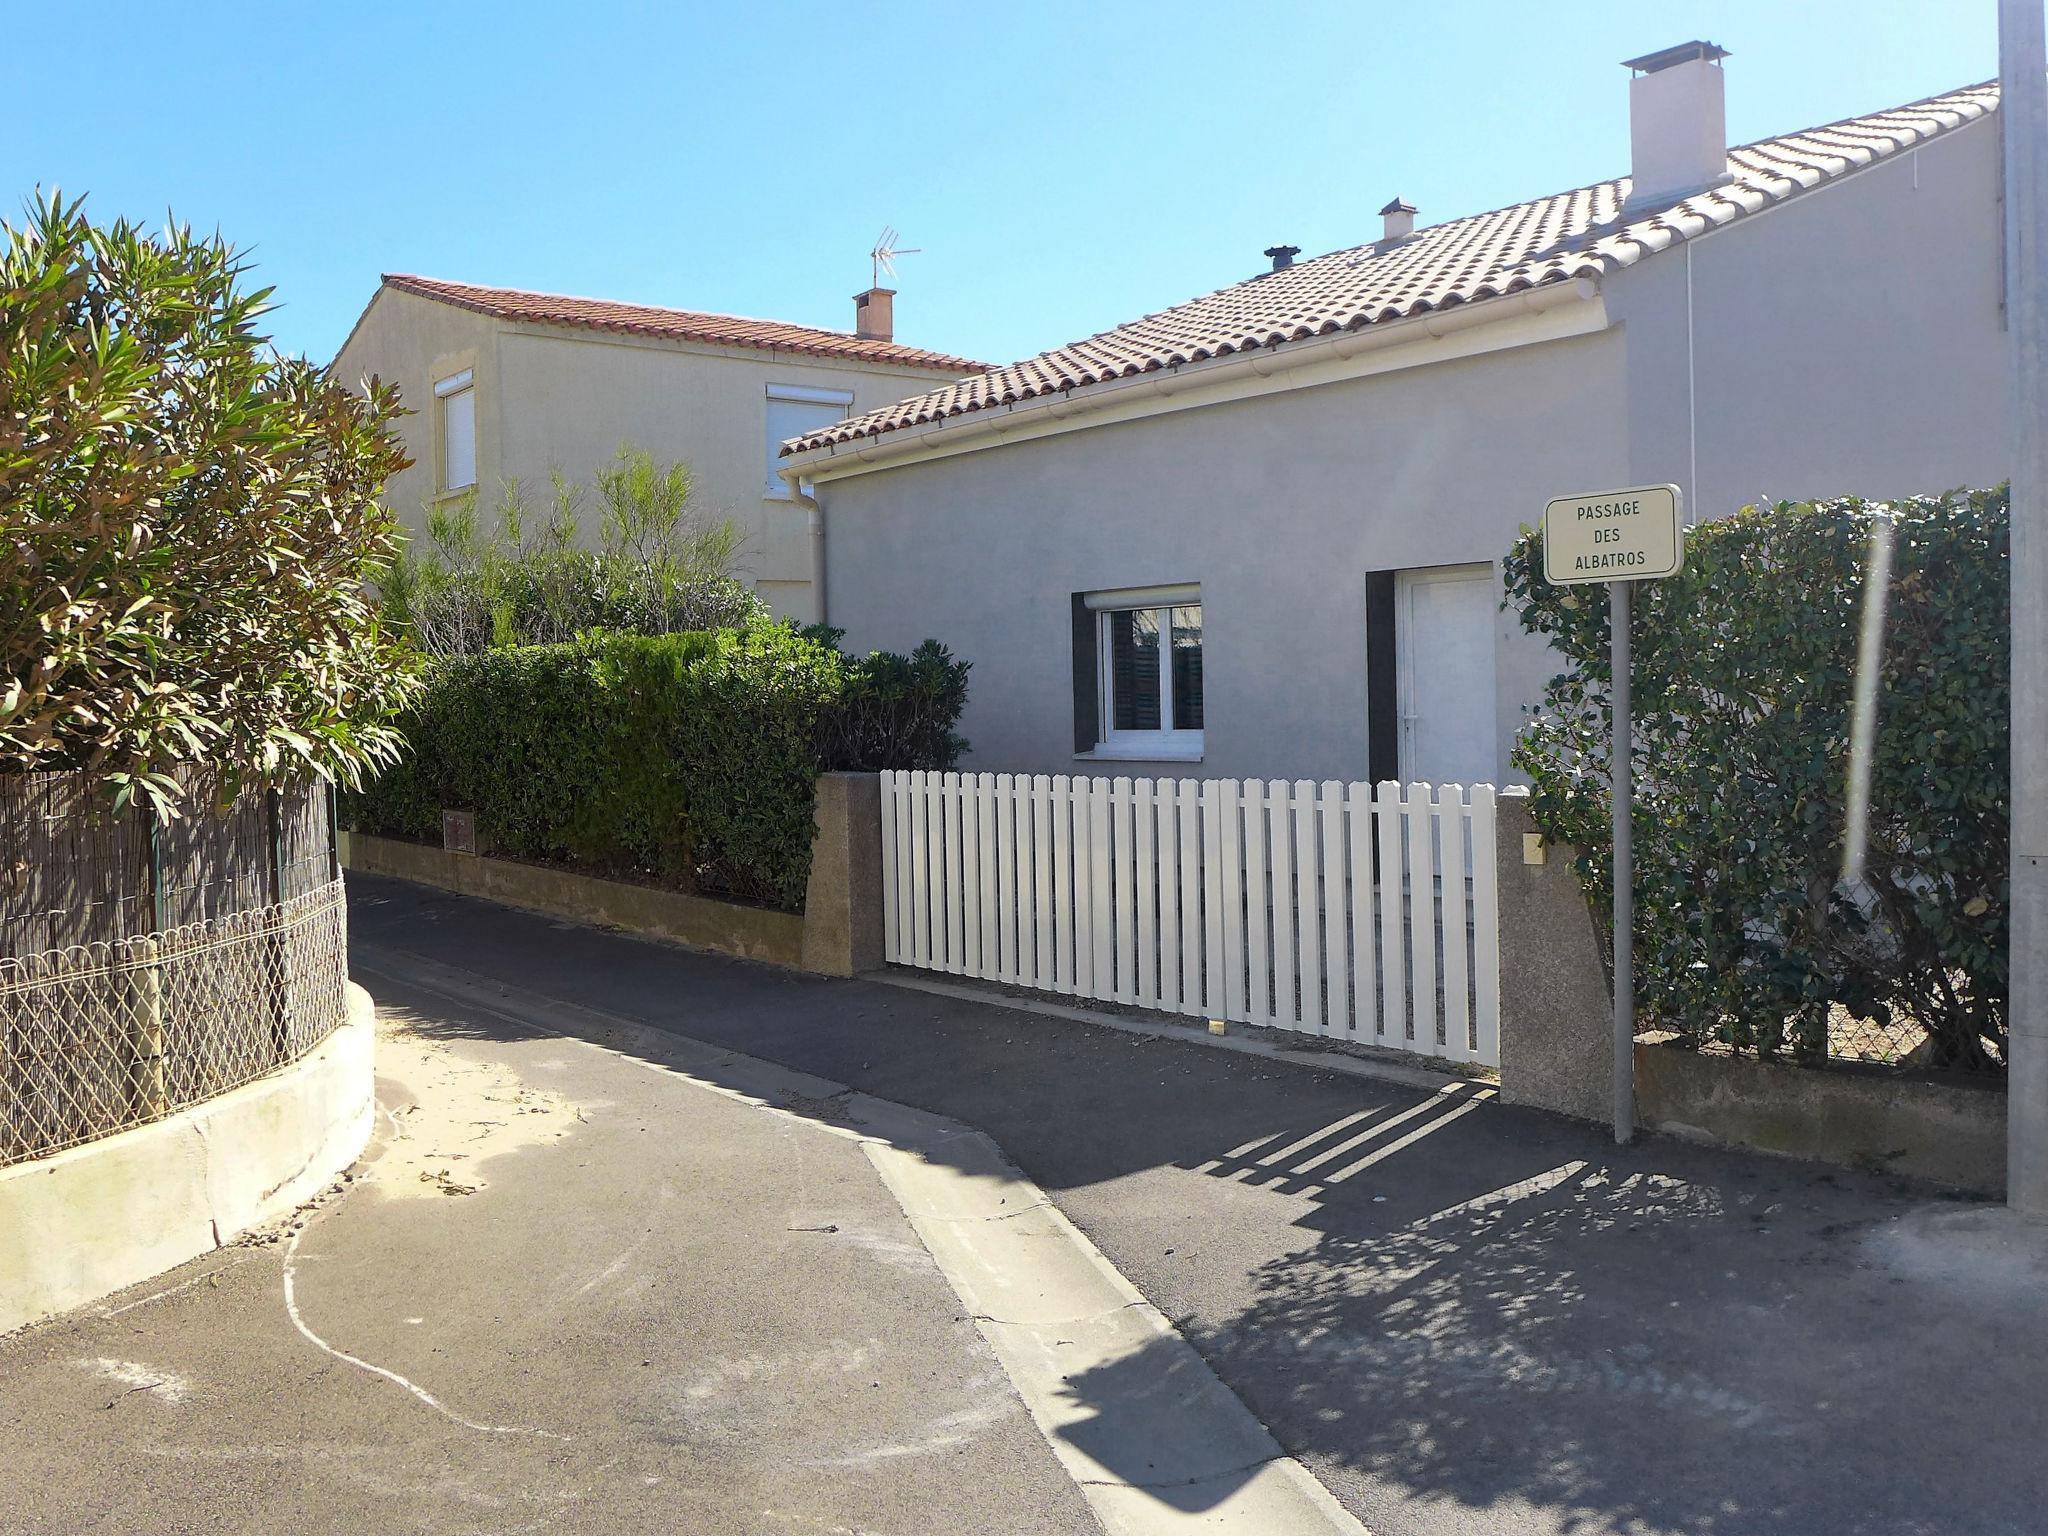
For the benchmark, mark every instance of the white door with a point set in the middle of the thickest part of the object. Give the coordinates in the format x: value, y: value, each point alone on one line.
x: 1443, y: 644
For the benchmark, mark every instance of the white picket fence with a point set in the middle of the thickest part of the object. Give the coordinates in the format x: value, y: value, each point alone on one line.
x: 1338, y: 909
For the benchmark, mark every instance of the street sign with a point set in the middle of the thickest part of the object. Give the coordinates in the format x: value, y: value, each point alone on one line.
x: 1618, y: 537
x: 1631, y: 535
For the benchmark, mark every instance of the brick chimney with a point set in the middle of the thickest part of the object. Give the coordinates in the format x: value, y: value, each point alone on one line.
x: 1677, y: 123
x: 874, y: 314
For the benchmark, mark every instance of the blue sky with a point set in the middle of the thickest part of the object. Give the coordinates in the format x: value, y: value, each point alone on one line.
x: 1063, y: 167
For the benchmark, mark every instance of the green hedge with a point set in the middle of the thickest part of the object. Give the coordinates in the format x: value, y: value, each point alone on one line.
x: 686, y: 758
x: 1743, y: 681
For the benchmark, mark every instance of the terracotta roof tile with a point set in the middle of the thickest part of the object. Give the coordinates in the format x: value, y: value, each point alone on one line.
x: 675, y: 324
x: 1581, y: 233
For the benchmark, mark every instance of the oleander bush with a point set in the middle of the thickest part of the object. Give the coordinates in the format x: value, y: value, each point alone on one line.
x: 689, y: 759
x: 1744, y: 674
x: 187, y: 522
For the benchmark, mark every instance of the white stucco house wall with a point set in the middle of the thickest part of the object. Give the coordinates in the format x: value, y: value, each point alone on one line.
x: 1308, y: 479
x: 506, y: 385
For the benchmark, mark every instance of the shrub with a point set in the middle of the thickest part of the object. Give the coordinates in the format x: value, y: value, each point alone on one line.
x: 1744, y: 670
x: 685, y: 758
x: 187, y: 521
x: 658, y: 567
x: 895, y: 711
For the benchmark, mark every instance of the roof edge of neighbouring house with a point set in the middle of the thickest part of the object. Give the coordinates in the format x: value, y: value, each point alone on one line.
x: 655, y: 322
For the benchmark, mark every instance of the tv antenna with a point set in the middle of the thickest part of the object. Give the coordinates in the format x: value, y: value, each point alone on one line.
x: 883, y: 256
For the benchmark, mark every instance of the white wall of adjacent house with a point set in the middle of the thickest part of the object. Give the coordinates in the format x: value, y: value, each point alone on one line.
x: 1849, y: 341
x: 544, y: 397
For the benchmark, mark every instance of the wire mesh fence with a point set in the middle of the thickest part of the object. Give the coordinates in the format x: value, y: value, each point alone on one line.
x: 145, y: 968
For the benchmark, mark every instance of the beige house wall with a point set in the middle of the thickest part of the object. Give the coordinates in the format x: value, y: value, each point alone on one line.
x: 411, y: 342
x: 559, y: 397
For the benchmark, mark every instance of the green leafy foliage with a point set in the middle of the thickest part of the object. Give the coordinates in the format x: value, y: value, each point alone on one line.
x: 657, y: 568
x: 689, y: 759
x: 894, y: 711
x: 187, y: 522
x: 1743, y: 679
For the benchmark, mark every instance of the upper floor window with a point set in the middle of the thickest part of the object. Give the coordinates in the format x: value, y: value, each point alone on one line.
x: 455, y: 404
x: 794, y: 409
x: 1148, y: 672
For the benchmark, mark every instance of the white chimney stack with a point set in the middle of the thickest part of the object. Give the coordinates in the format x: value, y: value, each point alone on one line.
x: 1677, y: 123
x: 1399, y: 220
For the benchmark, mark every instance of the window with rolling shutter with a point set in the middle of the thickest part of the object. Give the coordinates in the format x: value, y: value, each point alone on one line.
x: 793, y: 410
x: 1146, y: 671
x: 456, y: 399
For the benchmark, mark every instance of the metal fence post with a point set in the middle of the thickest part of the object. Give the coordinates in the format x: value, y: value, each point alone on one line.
x: 280, y: 1006
x: 333, y: 832
x: 146, y: 1021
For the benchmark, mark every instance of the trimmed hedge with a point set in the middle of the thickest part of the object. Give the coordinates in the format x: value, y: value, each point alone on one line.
x: 1743, y: 682
x: 690, y: 759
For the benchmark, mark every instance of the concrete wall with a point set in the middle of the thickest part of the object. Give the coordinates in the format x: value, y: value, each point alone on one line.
x: 1951, y: 1134
x: 755, y: 933
x: 838, y: 934
x: 1278, y: 507
x: 1556, y: 1006
x: 552, y: 396
x: 93, y: 1219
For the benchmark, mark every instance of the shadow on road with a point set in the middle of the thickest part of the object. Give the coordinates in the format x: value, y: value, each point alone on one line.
x: 1452, y: 1310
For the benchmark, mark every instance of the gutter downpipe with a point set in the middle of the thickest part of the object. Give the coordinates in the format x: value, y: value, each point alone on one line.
x: 814, y: 526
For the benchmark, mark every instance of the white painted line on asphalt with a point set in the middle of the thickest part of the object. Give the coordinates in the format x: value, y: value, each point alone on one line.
x: 291, y: 1307
x: 1153, y: 1438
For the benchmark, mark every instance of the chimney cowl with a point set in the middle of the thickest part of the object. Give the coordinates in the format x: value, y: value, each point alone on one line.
x: 874, y: 314
x: 1677, y: 124
x: 1399, y: 220
x: 1282, y: 256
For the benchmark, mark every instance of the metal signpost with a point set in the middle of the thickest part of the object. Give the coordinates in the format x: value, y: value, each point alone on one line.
x: 1618, y: 537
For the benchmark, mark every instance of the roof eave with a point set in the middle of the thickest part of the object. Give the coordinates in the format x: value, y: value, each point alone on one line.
x: 413, y: 285
x: 1072, y: 408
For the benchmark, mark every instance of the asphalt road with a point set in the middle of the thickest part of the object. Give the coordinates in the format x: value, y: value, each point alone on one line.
x: 571, y: 1295
x: 1462, y: 1317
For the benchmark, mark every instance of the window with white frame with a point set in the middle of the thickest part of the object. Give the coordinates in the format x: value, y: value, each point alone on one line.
x: 1148, y: 671
x: 455, y: 403
x: 793, y: 410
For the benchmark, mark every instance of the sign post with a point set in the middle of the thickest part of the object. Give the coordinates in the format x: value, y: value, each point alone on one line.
x: 1620, y: 538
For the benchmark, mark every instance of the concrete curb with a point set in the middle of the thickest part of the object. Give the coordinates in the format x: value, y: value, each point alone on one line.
x: 90, y: 1220
x: 1154, y: 1440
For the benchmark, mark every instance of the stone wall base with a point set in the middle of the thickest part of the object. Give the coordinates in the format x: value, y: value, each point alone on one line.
x: 90, y: 1220
x: 1941, y: 1133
